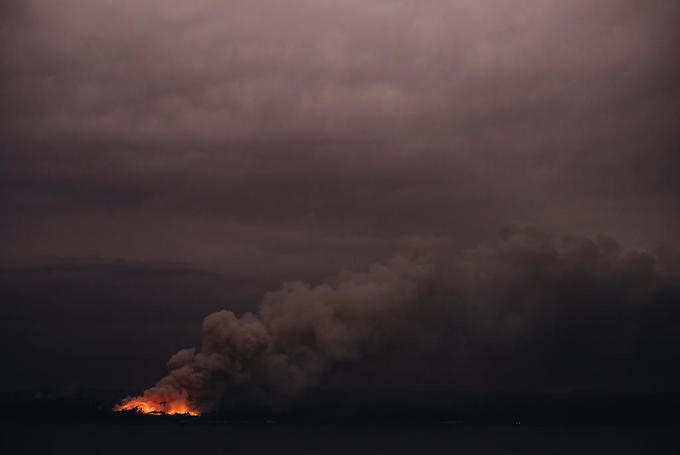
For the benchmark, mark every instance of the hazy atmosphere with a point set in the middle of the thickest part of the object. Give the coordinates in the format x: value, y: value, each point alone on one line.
x: 450, y: 195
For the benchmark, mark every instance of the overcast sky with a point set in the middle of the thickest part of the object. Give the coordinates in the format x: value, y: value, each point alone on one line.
x: 285, y: 139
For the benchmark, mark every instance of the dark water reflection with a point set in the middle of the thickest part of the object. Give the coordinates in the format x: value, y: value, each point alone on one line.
x: 334, y: 439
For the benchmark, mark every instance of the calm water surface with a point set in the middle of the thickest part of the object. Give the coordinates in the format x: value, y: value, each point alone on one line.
x: 335, y: 439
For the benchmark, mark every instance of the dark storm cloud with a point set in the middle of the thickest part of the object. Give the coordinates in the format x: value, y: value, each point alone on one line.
x: 371, y: 117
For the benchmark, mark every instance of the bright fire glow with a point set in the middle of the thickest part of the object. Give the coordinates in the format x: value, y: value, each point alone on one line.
x: 151, y: 407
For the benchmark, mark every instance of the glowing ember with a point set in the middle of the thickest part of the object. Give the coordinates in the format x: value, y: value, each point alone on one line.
x: 152, y: 407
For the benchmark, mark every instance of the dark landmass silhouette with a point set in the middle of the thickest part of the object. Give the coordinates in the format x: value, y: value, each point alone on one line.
x: 574, y: 408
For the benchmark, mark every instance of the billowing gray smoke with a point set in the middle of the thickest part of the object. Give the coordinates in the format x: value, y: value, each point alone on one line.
x: 527, y: 295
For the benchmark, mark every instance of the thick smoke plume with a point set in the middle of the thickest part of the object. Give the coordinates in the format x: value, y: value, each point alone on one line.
x: 529, y: 296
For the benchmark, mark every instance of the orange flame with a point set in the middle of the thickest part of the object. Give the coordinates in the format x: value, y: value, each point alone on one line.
x: 151, y: 407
